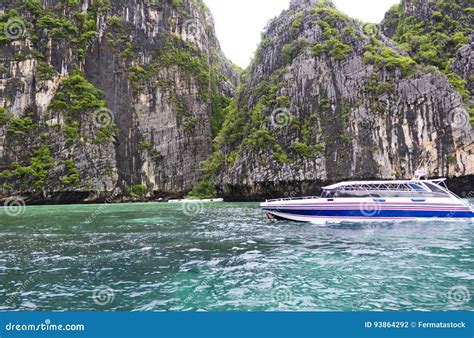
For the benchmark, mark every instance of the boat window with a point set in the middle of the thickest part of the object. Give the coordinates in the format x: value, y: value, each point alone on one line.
x: 417, y: 187
x: 328, y: 194
x: 384, y: 190
x: 436, y: 189
x: 352, y: 194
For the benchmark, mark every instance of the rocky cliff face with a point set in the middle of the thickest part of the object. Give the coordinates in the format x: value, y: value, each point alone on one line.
x: 328, y: 99
x: 463, y: 65
x: 100, y: 99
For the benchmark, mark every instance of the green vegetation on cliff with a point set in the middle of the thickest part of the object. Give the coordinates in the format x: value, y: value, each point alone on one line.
x: 433, y: 35
x: 73, y: 176
x: 385, y: 57
x: 337, y: 42
x: 202, y: 190
x: 32, y: 174
x: 78, y: 97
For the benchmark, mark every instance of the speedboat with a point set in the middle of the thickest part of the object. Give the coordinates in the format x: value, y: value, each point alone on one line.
x: 415, y: 199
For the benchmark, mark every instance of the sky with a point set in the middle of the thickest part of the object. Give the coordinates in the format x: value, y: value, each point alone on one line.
x: 240, y: 22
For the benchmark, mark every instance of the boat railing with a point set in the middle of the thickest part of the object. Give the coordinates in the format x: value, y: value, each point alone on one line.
x: 294, y: 199
x: 370, y: 194
x: 393, y: 194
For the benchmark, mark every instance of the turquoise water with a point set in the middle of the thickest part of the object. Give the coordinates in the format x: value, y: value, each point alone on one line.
x: 226, y: 257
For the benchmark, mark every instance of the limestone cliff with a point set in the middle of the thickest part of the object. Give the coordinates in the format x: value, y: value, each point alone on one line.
x: 328, y: 98
x: 100, y: 99
x: 103, y: 100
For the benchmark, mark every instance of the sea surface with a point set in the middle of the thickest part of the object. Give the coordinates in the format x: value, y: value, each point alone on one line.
x: 226, y: 257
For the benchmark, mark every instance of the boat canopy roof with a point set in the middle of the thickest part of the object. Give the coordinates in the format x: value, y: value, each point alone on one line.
x: 405, y: 185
